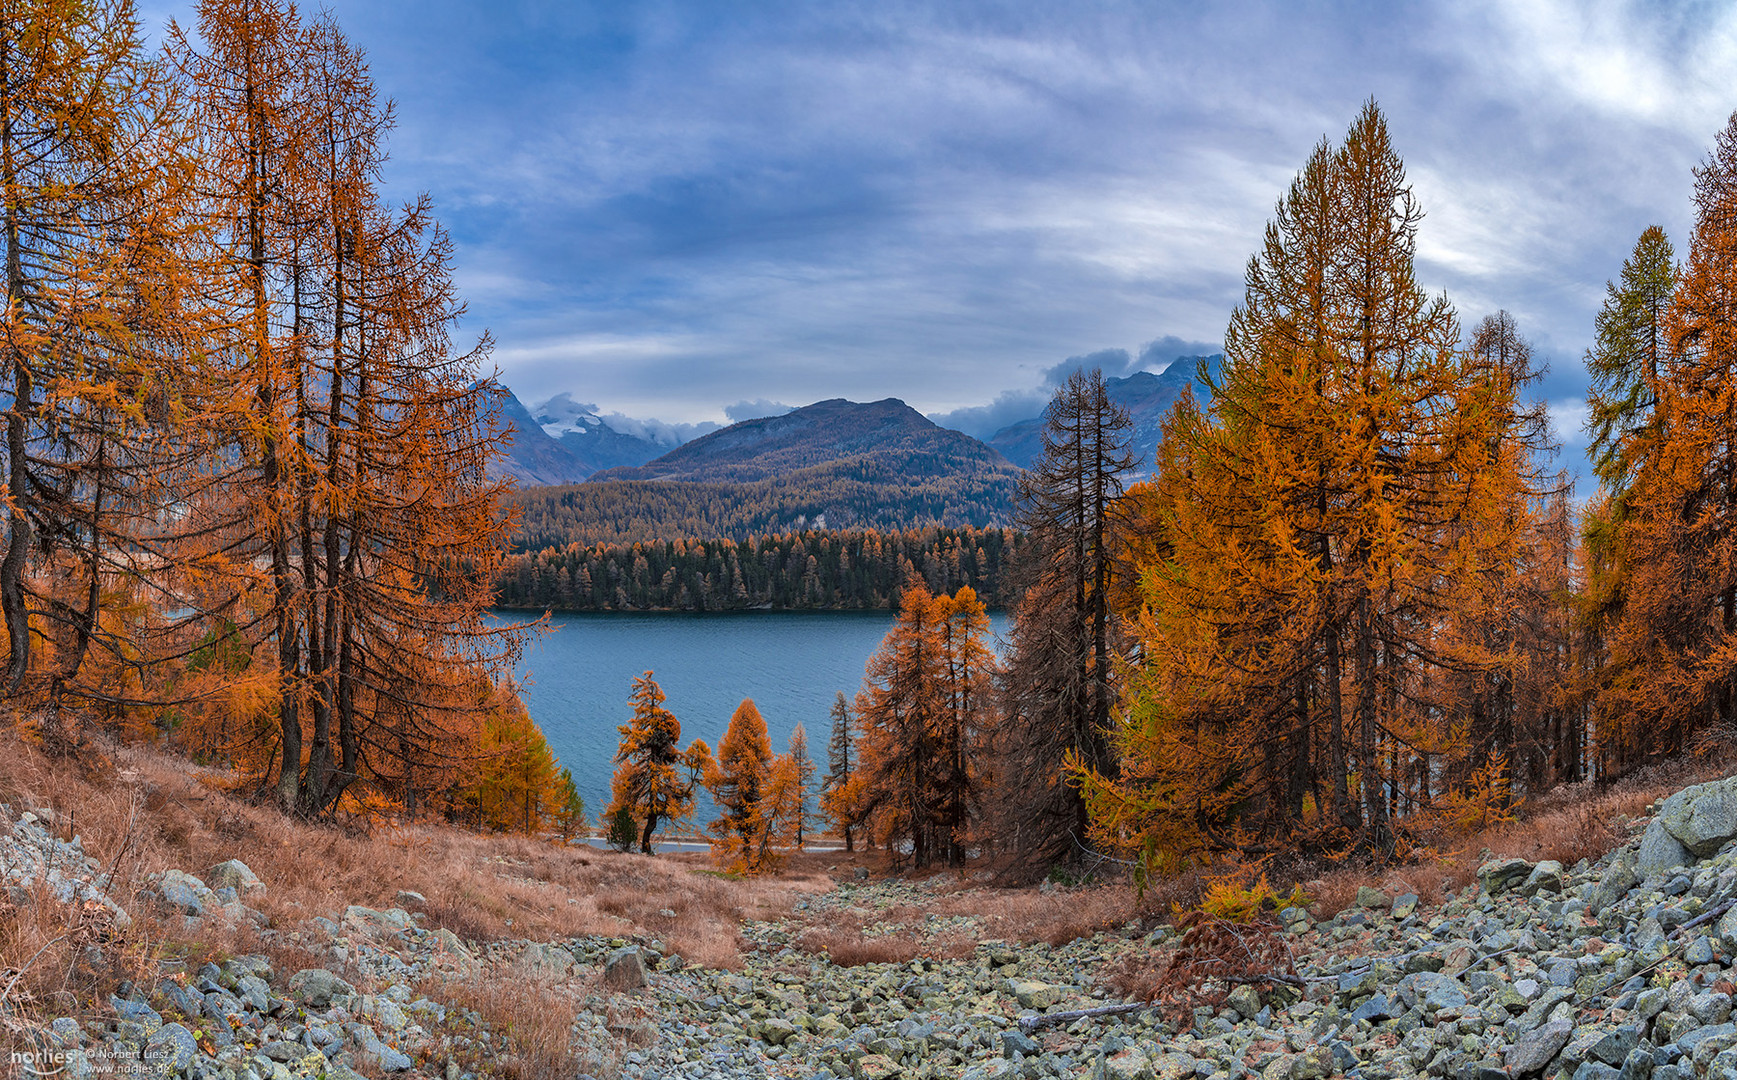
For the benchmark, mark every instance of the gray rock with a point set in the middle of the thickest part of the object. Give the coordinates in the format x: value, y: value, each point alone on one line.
x: 1545, y: 877
x: 549, y: 961
x: 1537, y: 1049
x: 283, y: 1050
x: 185, y: 892
x: 1614, y: 1046
x: 624, y: 970
x: 171, y: 1048
x: 1375, y: 1009
x: 1370, y: 897
x: 1700, y: 951
x: 1617, y: 880
x: 1702, y: 817
x: 317, y: 987
x: 1597, y: 1070
x: 410, y: 898
x: 390, y: 1058
x: 1660, y: 851
x: 234, y: 874
x: 1498, y: 875
x: 1404, y: 905
x: 1709, y: 1007
x: 1015, y: 1042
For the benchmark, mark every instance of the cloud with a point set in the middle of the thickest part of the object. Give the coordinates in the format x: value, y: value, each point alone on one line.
x: 754, y: 410
x: 656, y: 430
x: 982, y: 421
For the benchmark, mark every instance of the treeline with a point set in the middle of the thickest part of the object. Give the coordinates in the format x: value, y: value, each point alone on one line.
x: 859, y: 493
x: 245, y: 468
x: 811, y: 570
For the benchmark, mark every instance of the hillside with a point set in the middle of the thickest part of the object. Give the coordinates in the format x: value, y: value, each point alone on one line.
x: 825, y: 433
x: 1148, y: 398
x: 835, y: 464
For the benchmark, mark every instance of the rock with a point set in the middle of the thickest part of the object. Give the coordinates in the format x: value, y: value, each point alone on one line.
x: 1035, y: 995
x: 372, y: 921
x: 1545, y: 877
x: 171, y: 1049
x: 776, y: 1031
x: 1404, y: 905
x: 547, y: 961
x: 1244, y: 1000
x: 877, y: 1067
x: 1173, y: 1066
x: 1017, y: 1042
x: 1614, y: 1046
x: 389, y: 1058
x: 1315, y: 1063
x: 185, y: 892
x: 860, y: 874
x: 1537, y: 1049
x: 1376, y: 1008
x: 1498, y: 875
x: 1130, y: 1063
x: 625, y: 970
x: 234, y: 874
x: 1702, y: 817
x: 1660, y: 851
x: 316, y: 987
x: 1618, y: 879
x: 410, y: 898
x: 283, y: 1050
x: 450, y: 942
x: 1370, y: 897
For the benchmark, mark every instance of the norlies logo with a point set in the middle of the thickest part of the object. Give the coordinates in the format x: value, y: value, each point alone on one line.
x: 153, y: 1062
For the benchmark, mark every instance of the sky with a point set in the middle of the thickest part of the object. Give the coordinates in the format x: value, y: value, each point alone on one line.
x: 702, y: 211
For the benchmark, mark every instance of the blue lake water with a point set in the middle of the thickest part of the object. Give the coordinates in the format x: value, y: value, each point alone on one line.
x: 793, y: 664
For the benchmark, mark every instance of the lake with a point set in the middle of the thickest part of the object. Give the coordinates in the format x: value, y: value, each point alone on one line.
x: 793, y: 664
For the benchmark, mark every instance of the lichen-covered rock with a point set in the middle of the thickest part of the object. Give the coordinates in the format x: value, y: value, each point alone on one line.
x: 1500, y: 874
x: 234, y: 874
x: 1702, y: 817
x: 317, y: 987
x: 1660, y: 851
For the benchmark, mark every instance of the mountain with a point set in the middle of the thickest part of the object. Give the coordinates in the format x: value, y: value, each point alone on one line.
x: 532, y: 457
x: 1147, y: 397
x: 834, y: 464
x: 565, y: 442
x: 823, y: 433
x: 594, y: 443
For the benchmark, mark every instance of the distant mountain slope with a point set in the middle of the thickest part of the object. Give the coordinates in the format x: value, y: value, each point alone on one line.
x: 591, y: 441
x: 1147, y: 397
x: 532, y: 457
x: 834, y: 464
x: 823, y: 433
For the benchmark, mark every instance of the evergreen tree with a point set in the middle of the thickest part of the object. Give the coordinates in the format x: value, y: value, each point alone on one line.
x: 797, y: 751
x: 838, y: 793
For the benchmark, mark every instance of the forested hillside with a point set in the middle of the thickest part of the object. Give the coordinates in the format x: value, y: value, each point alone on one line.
x: 851, y: 569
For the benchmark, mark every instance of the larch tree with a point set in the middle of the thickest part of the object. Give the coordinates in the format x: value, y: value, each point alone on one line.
x: 1058, y: 692
x: 1673, y: 647
x: 654, y: 778
x: 797, y: 751
x: 1355, y: 470
x: 95, y: 358
x: 736, y: 779
x: 361, y: 462
x: 922, y: 707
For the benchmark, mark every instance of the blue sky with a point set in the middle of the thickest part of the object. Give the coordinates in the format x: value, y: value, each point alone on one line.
x: 670, y: 208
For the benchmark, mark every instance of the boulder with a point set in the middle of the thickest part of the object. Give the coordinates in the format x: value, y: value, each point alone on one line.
x: 1370, y: 897
x: 1033, y: 994
x: 1498, y: 875
x: 317, y: 987
x: 1538, y: 1048
x: 233, y: 874
x: 1702, y: 817
x: 1660, y: 851
x: 625, y: 970
x: 548, y: 961
x: 185, y: 892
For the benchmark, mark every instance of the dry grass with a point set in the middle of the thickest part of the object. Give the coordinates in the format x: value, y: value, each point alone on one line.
x: 139, y: 812
x: 537, y: 1018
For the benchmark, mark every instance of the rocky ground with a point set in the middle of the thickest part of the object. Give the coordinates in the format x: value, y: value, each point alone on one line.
x: 1616, y: 969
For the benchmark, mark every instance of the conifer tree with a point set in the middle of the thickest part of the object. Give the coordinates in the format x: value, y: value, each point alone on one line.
x: 736, y: 779
x: 654, y: 779
x: 797, y: 751
x: 1058, y: 693
x: 839, y: 794
x: 1354, y: 475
